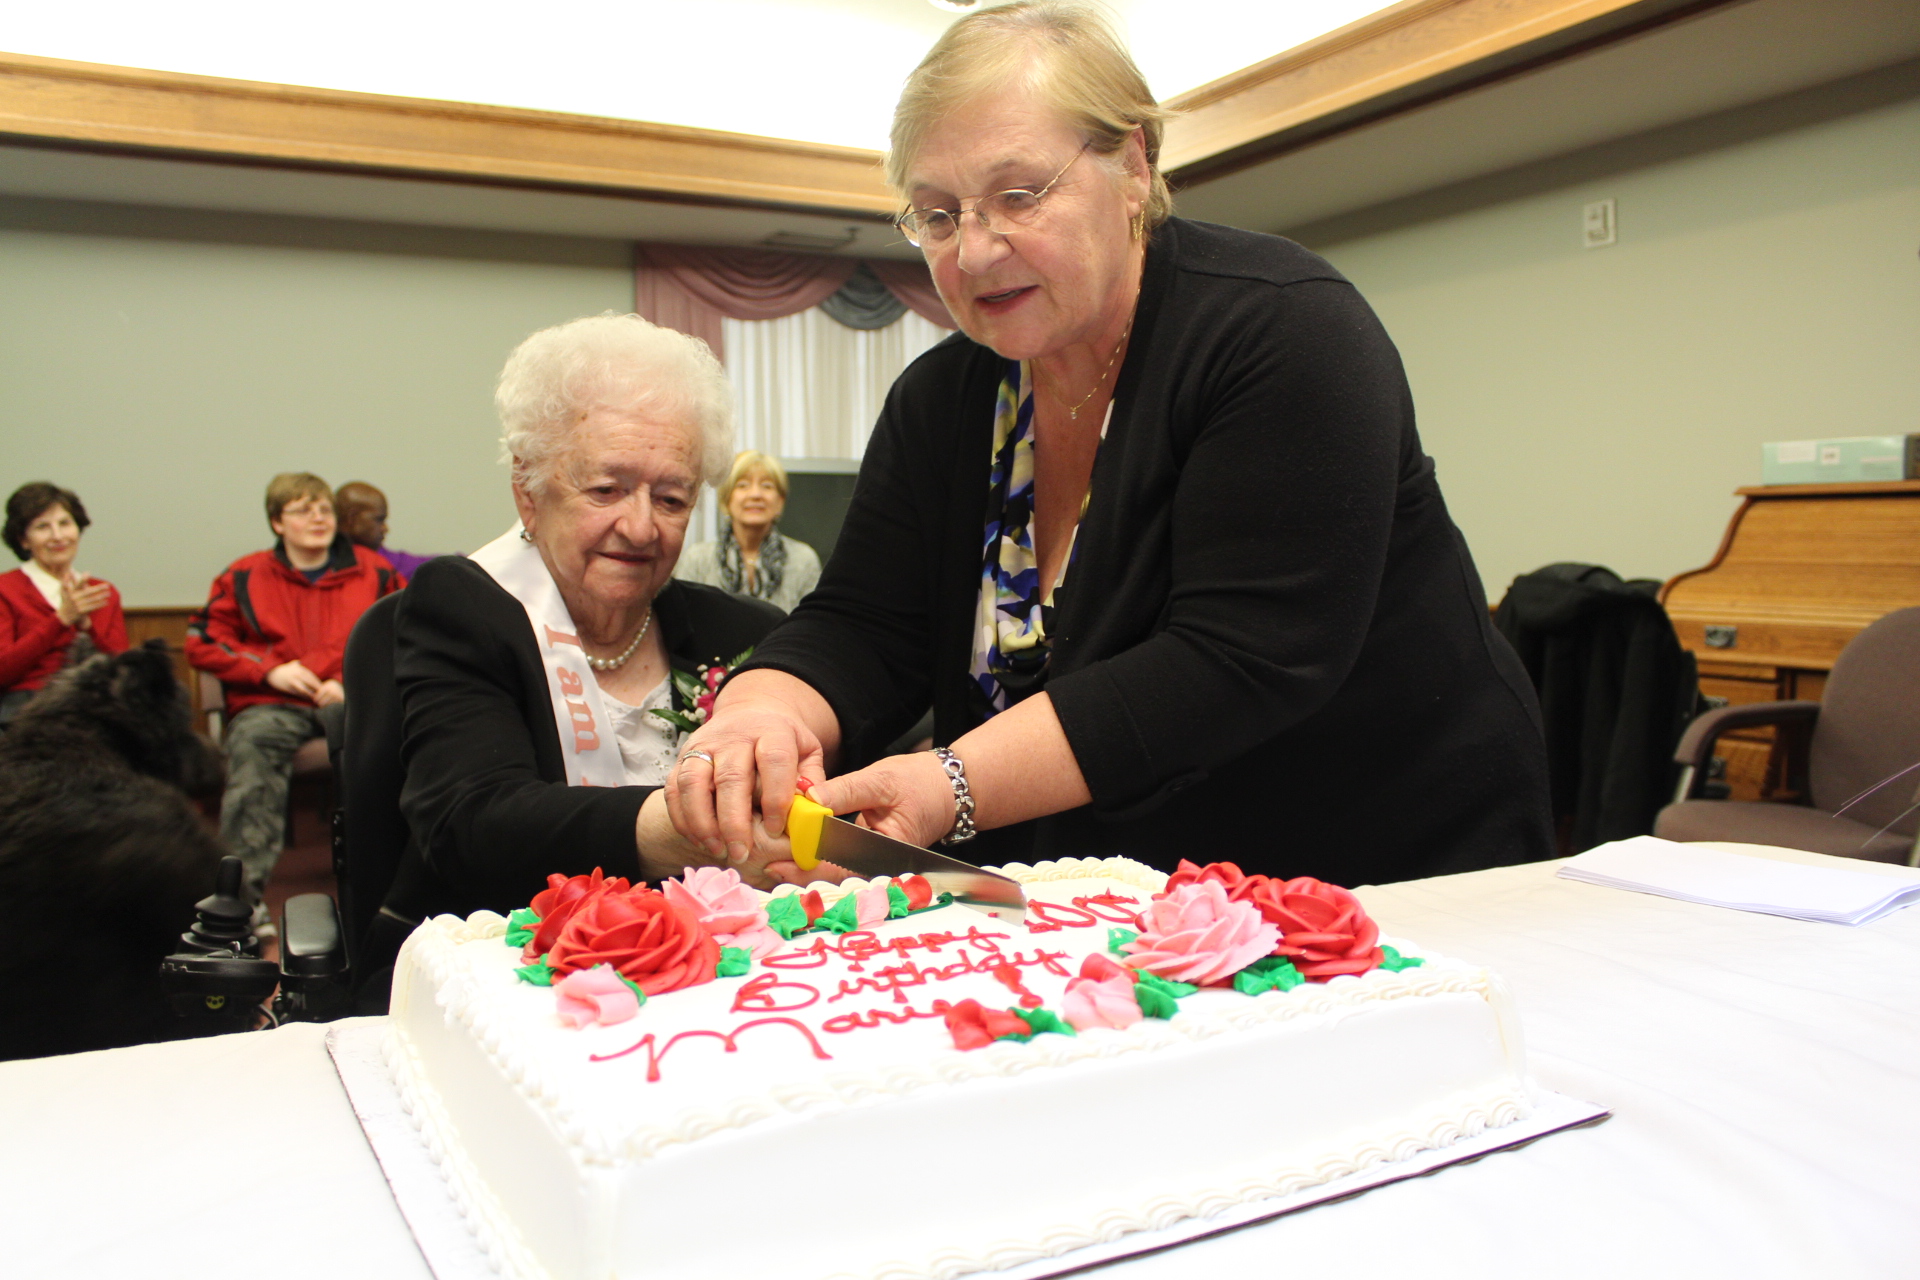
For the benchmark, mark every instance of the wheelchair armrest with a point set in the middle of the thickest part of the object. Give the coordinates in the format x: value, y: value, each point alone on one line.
x: 310, y: 939
x: 1696, y: 744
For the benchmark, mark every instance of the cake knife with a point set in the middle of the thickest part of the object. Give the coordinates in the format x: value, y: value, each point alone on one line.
x: 818, y: 836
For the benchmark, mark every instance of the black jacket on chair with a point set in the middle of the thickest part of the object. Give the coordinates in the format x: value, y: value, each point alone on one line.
x: 1616, y: 689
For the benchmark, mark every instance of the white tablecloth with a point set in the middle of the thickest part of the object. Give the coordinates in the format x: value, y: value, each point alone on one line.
x: 1764, y: 1074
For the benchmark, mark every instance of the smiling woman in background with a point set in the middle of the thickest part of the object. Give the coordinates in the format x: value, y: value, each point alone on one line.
x: 752, y: 557
x: 51, y: 614
x: 1154, y: 534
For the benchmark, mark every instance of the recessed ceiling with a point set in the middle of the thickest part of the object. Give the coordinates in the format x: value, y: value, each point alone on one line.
x: 1728, y: 57
x: 815, y: 70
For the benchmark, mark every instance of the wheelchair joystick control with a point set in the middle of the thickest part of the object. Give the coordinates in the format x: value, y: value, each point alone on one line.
x: 223, y: 921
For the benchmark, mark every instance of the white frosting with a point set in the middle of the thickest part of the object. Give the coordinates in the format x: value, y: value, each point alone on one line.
x: 759, y: 1161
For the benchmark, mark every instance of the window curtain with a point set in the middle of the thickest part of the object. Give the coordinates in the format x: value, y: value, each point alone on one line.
x: 828, y: 410
x: 693, y: 289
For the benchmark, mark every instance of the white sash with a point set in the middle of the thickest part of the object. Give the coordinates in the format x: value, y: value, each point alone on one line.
x: 587, y: 741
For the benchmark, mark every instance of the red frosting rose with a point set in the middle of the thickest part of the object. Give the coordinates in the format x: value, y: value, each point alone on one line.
x: 556, y: 904
x: 1323, y: 928
x: 1237, y: 883
x: 653, y: 944
x: 974, y: 1026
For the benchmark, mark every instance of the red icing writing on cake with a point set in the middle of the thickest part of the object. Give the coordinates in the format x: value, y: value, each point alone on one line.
x: 729, y: 1039
x: 1086, y: 911
x: 908, y: 974
x: 858, y: 947
x: 756, y: 996
x: 844, y: 1022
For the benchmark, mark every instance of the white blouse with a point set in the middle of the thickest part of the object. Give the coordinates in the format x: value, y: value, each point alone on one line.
x: 648, y: 745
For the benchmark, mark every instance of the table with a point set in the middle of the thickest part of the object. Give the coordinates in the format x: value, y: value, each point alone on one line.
x: 1764, y: 1073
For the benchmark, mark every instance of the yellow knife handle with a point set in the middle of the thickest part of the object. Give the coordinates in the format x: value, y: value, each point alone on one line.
x: 803, y: 830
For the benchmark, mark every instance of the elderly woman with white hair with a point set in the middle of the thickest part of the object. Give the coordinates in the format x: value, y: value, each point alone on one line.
x: 540, y: 708
x: 1154, y: 534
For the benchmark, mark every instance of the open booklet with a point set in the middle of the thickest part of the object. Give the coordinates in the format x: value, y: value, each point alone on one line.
x: 1720, y: 878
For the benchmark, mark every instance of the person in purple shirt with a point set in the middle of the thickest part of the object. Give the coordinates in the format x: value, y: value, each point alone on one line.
x: 362, y: 510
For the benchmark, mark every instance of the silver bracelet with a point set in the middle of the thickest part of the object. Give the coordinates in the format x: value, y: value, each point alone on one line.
x: 963, y: 829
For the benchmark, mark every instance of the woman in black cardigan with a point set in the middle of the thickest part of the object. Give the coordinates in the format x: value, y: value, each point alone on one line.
x: 1222, y: 611
x: 539, y: 710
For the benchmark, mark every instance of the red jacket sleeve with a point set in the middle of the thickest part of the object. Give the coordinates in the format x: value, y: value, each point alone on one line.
x: 109, y: 624
x: 25, y: 638
x: 218, y: 643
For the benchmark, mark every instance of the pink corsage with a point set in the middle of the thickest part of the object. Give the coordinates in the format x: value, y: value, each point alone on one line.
x: 595, y: 995
x: 1102, y: 996
x: 725, y: 906
x: 1197, y: 934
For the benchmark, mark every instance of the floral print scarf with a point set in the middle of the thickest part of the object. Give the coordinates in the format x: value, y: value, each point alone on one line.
x: 1012, y: 624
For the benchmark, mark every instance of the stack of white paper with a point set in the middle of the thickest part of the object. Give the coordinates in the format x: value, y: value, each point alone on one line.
x: 1717, y: 878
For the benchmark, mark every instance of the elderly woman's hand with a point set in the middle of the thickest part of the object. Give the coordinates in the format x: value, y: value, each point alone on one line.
x: 665, y: 852
x: 768, y: 732
x: 907, y: 797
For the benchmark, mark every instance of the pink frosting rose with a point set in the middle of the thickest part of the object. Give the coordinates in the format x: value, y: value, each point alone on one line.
x: 725, y: 906
x: 595, y: 995
x: 1102, y: 996
x: 871, y: 904
x: 1197, y: 934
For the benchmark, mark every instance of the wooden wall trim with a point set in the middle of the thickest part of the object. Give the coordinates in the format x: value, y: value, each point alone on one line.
x: 52, y: 101
x: 1413, y: 53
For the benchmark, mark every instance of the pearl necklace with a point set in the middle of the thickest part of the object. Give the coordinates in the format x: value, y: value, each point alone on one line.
x: 1073, y: 413
x: 613, y: 664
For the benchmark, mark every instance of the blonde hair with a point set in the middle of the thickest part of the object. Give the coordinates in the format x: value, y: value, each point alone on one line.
x: 1067, y: 53
x: 748, y: 461
x: 558, y: 375
x: 289, y: 487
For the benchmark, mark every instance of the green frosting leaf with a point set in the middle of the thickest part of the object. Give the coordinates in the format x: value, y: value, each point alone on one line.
x: 1174, y: 989
x: 897, y: 904
x: 638, y: 994
x: 944, y: 900
x: 1269, y: 974
x: 1155, y: 1003
x: 842, y: 917
x: 734, y: 961
x: 537, y: 973
x: 1041, y: 1021
x: 1159, y: 998
x: 1117, y: 939
x: 787, y: 915
x: 521, y: 925
x: 1394, y: 962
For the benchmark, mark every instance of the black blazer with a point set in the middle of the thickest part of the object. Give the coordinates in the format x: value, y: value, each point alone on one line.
x: 486, y: 796
x: 1272, y: 646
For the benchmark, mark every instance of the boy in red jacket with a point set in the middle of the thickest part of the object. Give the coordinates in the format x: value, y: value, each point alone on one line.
x: 274, y: 631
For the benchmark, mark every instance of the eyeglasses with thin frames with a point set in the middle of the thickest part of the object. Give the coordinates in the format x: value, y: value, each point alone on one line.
x: 1016, y: 207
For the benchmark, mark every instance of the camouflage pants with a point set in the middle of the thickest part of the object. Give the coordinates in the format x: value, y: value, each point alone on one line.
x: 260, y: 743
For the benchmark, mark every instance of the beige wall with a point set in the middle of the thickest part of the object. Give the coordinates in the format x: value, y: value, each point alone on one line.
x: 1602, y: 404
x: 164, y: 364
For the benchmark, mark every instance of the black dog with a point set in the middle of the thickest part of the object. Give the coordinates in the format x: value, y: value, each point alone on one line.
x: 102, y: 854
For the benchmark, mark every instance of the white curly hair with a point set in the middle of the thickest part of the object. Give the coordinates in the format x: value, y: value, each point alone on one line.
x: 559, y: 374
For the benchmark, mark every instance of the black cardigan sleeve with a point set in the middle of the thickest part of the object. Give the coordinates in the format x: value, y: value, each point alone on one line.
x: 485, y: 796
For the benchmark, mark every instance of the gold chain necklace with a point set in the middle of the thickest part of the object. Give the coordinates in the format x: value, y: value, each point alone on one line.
x: 1073, y: 413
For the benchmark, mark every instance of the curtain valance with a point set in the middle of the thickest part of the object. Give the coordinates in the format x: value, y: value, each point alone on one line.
x: 692, y: 288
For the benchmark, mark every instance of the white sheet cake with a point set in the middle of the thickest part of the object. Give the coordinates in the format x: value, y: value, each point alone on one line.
x: 813, y: 1117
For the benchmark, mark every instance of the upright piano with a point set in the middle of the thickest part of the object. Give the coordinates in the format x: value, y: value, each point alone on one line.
x: 1801, y: 570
